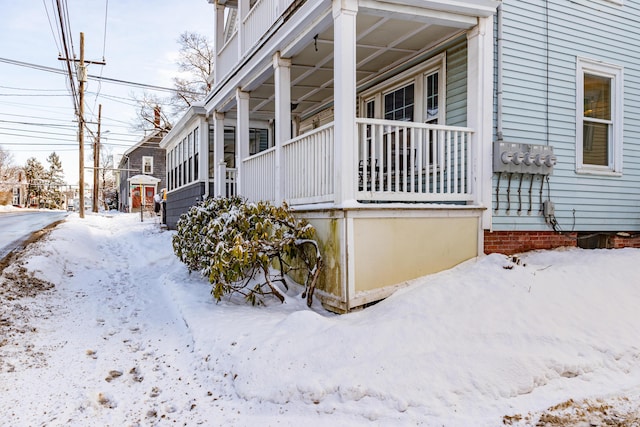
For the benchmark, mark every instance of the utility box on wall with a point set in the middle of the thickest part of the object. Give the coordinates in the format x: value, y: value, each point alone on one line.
x: 515, y: 157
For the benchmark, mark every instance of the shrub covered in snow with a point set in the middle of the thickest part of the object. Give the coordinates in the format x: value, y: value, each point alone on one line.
x: 236, y: 244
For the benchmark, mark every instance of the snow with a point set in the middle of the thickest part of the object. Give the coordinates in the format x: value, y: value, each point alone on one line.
x: 128, y: 337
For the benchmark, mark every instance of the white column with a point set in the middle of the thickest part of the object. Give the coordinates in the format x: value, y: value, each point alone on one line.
x: 218, y: 152
x: 242, y: 136
x: 344, y: 74
x: 218, y: 30
x: 282, y: 78
x: 480, y: 111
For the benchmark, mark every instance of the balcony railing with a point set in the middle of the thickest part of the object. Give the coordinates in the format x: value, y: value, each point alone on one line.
x: 310, y: 156
x: 254, y: 26
x: 407, y: 161
x: 396, y: 162
x: 258, y: 176
x: 226, y: 181
x: 227, y: 56
x: 260, y: 18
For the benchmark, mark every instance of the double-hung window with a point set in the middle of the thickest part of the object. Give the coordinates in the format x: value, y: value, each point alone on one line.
x: 599, y: 117
x: 147, y: 165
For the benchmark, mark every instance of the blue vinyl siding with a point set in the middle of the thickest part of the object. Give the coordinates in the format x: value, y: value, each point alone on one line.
x: 457, y: 84
x: 539, y: 107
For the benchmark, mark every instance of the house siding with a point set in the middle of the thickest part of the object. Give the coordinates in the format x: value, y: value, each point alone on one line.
x: 179, y: 201
x: 457, y: 84
x: 539, y: 107
x: 131, y: 165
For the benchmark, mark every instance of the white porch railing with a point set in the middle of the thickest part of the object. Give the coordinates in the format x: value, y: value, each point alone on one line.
x: 258, y: 176
x: 226, y: 181
x: 260, y: 18
x: 396, y: 162
x: 407, y: 161
x: 308, y: 167
x: 227, y: 57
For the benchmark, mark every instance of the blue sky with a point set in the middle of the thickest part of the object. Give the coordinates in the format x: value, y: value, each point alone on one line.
x: 139, y: 45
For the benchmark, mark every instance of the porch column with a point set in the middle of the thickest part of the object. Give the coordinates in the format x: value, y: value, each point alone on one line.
x: 344, y: 74
x: 218, y: 30
x: 242, y: 137
x: 218, y: 153
x: 480, y: 111
x: 282, y: 78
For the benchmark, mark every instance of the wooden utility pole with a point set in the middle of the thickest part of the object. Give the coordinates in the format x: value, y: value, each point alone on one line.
x: 81, y: 73
x: 82, y: 78
x: 96, y: 163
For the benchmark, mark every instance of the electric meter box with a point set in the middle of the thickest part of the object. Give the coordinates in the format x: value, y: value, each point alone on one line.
x: 515, y: 157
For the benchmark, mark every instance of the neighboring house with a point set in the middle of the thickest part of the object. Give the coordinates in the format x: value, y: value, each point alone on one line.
x: 568, y: 86
x: 13, y: 187
x: 142, y: 173
x: 371, y: 119
x: 189, y: 175
x: 19, y: 190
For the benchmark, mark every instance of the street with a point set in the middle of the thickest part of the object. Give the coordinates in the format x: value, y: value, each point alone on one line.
x: 17, y: 226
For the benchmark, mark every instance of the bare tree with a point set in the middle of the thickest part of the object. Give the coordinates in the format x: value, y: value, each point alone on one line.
x: 107, y: 178
x: 9, y: 172
x: 196, y: 59
x: 195, y: 63
x: 150, y: 113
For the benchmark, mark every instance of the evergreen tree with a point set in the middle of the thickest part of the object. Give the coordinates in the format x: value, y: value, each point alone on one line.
x: 54, y: 182
x: 35, y: 175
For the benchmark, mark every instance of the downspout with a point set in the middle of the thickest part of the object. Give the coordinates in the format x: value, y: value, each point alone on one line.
x: 499, y: 135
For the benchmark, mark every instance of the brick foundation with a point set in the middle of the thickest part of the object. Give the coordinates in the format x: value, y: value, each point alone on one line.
x: 513, y: 242
x: 616, y: 241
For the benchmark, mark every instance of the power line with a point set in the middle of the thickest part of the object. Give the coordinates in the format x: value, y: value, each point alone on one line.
x: 38, y: 124
x: 51, y: 26
x: 90, y: 76
x: 32, y: 89
x: 33, y: 94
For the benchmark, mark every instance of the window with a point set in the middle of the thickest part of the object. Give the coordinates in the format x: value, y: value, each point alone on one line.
x: 599, y: 121
x: 190, y: 161
x: 258, y: 140
x: 398, y: 105
x: 147, y: 165
x: 431, y: 97
x: 212, y: 162
x: 230, y: 146
x: 196, y: 150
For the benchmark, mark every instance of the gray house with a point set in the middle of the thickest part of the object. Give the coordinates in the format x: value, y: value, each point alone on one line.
x: 142, y: 173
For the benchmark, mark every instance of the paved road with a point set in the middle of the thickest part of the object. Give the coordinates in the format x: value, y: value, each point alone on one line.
x: 17, y: 226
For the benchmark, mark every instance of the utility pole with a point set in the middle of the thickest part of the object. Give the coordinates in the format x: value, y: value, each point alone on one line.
x: 82, y: 78
x: 96, y: 162
x: 81, y: 74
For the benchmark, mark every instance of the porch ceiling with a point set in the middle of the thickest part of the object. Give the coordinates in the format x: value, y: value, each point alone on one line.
x: 384, y: 41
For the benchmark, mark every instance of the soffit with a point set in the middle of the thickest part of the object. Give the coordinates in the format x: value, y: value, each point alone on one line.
x: 384, y: 41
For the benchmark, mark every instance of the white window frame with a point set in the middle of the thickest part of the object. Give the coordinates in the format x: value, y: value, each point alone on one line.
x: 615, y: 73
x: 417, y: 76
x: 147, y: 160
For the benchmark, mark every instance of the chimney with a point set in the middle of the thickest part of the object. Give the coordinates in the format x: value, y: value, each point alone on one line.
x: 156, y: 116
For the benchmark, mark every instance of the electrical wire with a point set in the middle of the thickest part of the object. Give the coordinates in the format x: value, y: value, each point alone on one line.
x: 51, y: 27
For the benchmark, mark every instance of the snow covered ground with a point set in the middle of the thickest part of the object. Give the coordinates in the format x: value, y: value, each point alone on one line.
x: 101, y: 325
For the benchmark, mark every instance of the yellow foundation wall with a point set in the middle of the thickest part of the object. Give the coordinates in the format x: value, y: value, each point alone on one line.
x: 388, y: 251
x: 328, y: 233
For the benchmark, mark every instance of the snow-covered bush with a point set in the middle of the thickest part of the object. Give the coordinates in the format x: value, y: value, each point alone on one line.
x: 236, y: 244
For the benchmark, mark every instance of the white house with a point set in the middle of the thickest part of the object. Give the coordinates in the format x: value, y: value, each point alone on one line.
x: 372, y: 119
